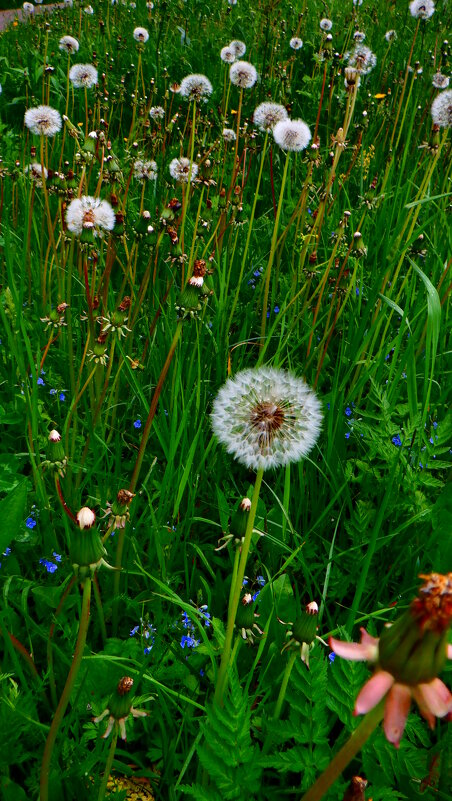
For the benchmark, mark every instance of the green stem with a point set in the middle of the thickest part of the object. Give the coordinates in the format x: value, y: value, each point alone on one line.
x: 280, y: 700
x: 225, y: 656
x: 346, y: 754
x: 66, y: 694
x: 108, y: 765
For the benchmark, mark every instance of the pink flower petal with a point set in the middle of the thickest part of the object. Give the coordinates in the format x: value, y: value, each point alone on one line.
x: 367, y: 639
x: 356, y: 652
x: 373, y: 691
x: 434, y: 697
x: 449, y: 651
x: 396, y: 712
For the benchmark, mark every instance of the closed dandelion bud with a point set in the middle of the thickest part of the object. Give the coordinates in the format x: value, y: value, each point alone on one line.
x: 304, y: 629
x: 246, y: 618
x: 90, y: 143
x: 86, y: 549
x: 239, y: 520
x: 167, y: 216
x: 56, y: 457
x: 189, y: 302
x: 359, y: 248
x: 118, y: 511
x: 119, y: 708
x: 142, y: 224
x: 222, y: 202
x: 328, y: 46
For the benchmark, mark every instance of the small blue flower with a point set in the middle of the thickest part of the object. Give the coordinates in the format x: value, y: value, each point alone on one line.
x: 328, y: 405
x: 357, y: 292
x: 244, y: 582
x: 396, y: 441
x: 49, y: 566
x: 62, y: 396
x: 431, y: 441
x: 186, y: 622
x: 53, y: 391
x: 260, y: 580
x: 56, y: 556
x: 347, y: 436
x: 276, y: 309
x: 41, y: 382
x: 148, y: 649
x: 188, y: 641
x: 137, y: 424
x: 348, y: 411
x: 201, y: 672
x: 332, y: 656
x: 7, y: 552
x: 134, y: 631
x: 256, y: 595
x: 205, y: 615
x: 435, y: 424
x: 30, y: 523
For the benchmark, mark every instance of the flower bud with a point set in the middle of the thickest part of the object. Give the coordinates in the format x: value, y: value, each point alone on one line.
x: 86, y: 517
x: 239, y: 520
x: 56, y: 457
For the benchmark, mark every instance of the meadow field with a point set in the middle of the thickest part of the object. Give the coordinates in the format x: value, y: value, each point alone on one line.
x: 225, y: 453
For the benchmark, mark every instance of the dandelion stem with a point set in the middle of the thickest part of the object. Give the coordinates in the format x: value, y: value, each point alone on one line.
x: 225, y: 656
x: 66, y: 694
x: 346, y: 754
x: 108, y: 765
x: 279, y: 701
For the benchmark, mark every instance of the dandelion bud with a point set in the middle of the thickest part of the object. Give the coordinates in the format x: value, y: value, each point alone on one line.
x: 56, y: 457
x: 89, y: 145
x: 189, y: 303
x: 86, y: 549
x: 359, y: 249
x: 119, y: 708
x: 86, y: 517
x: 246, y: 618
x: 239, y: 520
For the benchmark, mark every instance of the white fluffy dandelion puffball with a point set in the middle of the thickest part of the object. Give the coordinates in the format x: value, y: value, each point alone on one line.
x: 243, y: 74
x: 43, y: 120
x: 90, y: 213
x: 296, y: 43
x: 227, y: 55
x: 140, y: 35
x: 442, y: 109
x: 180, y: 170
x: 292, y: 135
x: 266, y: 115
x: 238, y: 47
x: 68, y: 44
x: 195, y: 87
x: 266, y: 418
x: 422, y: 9
x: 83, y: 76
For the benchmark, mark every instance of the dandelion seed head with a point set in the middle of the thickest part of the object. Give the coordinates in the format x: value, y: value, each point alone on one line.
x: 34, y: 170
x: 238, y: 48
x: 266, y: 115
x: 141, y: 35
x: 227, y: 54
x: 43, y: 120
x: 292, y: 135
x: 229, y: 135
x: 266, y: 418
x: 181, y: 171
x: 442, y: 109
x: 359, y: 36
x: 28, y: 8
x: 87, y: 213
x: 422, y: 9
x: 440, y: 81
x: 145, y: 170
x: 83, y: 76
x: 326, y: 24
x: 391, y: 36
x: 296, y: 43
x: 243, y: 74
x: 362, y: 59
x: 156, y: 113
x: 196, y: 87
x: 68, y: 44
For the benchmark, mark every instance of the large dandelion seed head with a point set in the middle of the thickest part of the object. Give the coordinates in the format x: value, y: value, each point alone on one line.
x: 296, y: 43
x: 145, y: 170
x: 326, y: 24
x: 362, y: 59
x: 238, y: 47
x: 157, y: 113
x: 292, y: 135
x: 195, y: 87
x: 141, y: 35
x: 90, y: 213
x: 266, y: 115
x: 68, y: 44
x: 43, y: 120
x: 229, y: 135
x: 442, y: 109
x: 181, y: 170
x: 83, y: 76
x: 243, y: 74
x: 266, y: 418
x: 440, y: 81
x: 422, y: 9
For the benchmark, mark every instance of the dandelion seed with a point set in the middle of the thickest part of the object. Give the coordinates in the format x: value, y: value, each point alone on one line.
x: 440, y: 81
x: 157, y: 113
x: 238, y: 47
x: 243, y: 74
x: 182, y: 171
x: 266, y: 418
x: 68, y: 44
x: 227, y: 54
x: 442, y: 109
x: 196, y: 87
x: 296, y: 43
x: 292, y: 135
x: 83, y: 76
x: 90, y: 214
x: 422, y: 9
x: 326, y: 24
x: 43, y: 120
x: 266, y: 115
x: 145, y: 170
x: 229, y: 135
x: 141, y: 35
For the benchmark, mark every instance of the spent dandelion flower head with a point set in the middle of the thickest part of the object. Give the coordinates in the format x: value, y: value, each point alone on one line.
x: 266, y: 417
x: 196, y: 87
x: 292, y: 135
x: 442, y: 109
x: 391, y: 36
x: 145, y: 170
x: 407, y: 657
x: 440, y: 81
x: 68, y: 44
x: 181, y: 170
x: 90, y: 214
x: 243, y: 74
x: 34, y: 171
x: 83, y: 76
x: 326, y: 24
x: 141, y: 35
x: 229, y: 135
x: 28, y: 8
x: 359, y: 36
x: 43, y: 120
x: 156, y: 113
x: 238, y: 47
x: 362, y: 59
x: 227, y: 54
x: 296, y: 43
x: 266, y: 115
x: 422, y: 9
